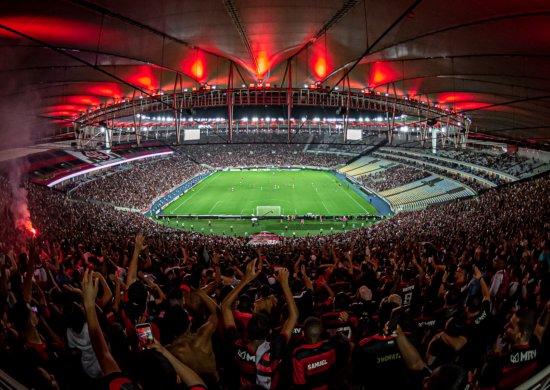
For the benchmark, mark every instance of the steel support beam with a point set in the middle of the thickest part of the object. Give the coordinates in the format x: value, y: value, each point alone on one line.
x: 229, y: 103
x: 289, y: 97
x: 346, y: 119
x: 175, y: 109
x: 390, y: 134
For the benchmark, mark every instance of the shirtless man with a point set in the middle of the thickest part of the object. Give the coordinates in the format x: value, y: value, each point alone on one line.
x: 267, y: 301
x: 195, y: 349
x: 194, y: 304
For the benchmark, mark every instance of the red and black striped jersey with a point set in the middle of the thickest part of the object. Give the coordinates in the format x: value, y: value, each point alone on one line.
x: 333, y: 324
x: 511, y: 369
x: 323, y: 307
x: 245, y: 358
x: 312, y: 365
x: 378, y: 363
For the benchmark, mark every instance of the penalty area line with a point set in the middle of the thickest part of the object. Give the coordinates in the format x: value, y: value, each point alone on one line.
x: 213, y: 207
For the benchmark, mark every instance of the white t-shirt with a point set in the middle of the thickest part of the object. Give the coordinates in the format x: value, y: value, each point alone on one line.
x: 89, y: 360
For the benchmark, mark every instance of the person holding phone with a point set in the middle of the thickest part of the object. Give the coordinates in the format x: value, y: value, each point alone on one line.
x: 156, y: 368
x: 376, y: 360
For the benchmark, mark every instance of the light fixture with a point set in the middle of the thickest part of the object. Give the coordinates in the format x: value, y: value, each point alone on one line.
x: 243, y: 85
x: 336, y: 88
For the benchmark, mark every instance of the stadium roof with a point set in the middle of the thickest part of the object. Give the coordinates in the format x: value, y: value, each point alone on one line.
x: 489, y: 59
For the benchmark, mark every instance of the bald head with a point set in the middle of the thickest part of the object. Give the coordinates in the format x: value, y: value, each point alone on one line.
x: 312, y: 330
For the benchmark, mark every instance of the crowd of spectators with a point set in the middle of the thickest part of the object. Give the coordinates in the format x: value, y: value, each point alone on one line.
x: 236, y: 155
x: 137, y: 187
x: 440, y: 298
x: 439, y: 171
x: 395, y: 176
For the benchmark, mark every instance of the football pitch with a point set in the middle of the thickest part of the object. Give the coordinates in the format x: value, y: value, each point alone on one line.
x: 253, y: 193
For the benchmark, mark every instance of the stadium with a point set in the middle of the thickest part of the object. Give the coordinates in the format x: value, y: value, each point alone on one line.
x: 318, y: 195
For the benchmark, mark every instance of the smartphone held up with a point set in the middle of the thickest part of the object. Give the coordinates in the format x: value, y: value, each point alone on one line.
x: 145, y: 335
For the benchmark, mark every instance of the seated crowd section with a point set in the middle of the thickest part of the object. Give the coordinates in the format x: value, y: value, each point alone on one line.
x: 455, y: 296
x: 138, y: 186
x: 395, y: 176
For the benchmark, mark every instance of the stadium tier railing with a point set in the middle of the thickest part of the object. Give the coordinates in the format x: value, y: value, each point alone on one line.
x: 506, y: 176
x: 450, y: 170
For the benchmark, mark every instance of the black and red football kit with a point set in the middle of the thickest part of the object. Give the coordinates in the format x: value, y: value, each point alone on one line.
x: 312, y: 365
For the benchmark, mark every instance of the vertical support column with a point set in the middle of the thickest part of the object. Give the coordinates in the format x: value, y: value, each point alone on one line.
x: 466, y: 132
x: 229, y: 102
x: 457, y: 134
x: 134, y: 117
x: 446, y: 134
x: 138, y: 130
x: 289, y: 96
x: 424, y: 133
x: 174, y: 102
x: 346, y: 120
x: 390, y: 134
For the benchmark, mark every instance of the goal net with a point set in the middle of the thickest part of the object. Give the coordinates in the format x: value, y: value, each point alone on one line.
x: 263, y: 210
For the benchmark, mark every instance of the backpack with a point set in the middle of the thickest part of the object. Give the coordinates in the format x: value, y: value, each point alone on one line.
x: 502, y: 293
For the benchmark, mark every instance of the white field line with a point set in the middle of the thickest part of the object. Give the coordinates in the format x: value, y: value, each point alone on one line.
x: 173, y: 211
x: 353, y: 200
x: 325, y: 207
x: 213, y: 207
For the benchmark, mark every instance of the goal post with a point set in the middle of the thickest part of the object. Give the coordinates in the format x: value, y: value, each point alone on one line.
x: 263, y: 210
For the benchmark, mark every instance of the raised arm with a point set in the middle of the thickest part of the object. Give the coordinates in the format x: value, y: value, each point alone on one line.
x: 14, y: 266
x: 107, y: 294
x: 327, y: 287
x: 211, y: 324
x: 306, y: 278
x: 420, y: 270
x: 542, y: 323
x: 227, y: 303
x: 211, y: 287
x: 27, y: 284
x: 408, y: 352
x: 104, y: 357
x: 132, y: 271
x: 290, y: 323
x: 484, y: 288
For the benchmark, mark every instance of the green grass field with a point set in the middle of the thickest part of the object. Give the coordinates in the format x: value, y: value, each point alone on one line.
x: 213, y: 195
